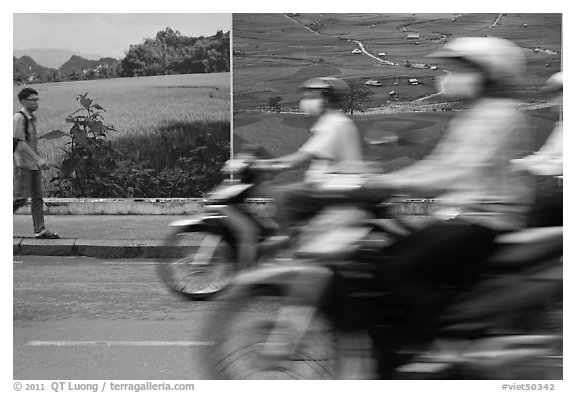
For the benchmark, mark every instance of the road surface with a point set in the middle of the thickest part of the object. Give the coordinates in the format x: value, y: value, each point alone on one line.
x: 82, y: 318
x: 363, y: 49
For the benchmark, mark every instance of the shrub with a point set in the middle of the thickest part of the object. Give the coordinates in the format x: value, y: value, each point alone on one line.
x: 274, y: 103
x: 180, y: 160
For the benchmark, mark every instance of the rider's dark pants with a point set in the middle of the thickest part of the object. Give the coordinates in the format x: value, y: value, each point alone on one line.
x: 426, y: 267
x: 547, y: 209
x: 296, y: 203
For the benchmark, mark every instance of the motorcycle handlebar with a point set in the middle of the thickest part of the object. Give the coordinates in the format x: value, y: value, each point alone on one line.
x: 268, y: 166
x: 247, y: 168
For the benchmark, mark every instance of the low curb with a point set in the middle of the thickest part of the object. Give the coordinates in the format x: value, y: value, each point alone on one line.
x: 119, y: 206
x: 92, y: 248
x: 173, y: 206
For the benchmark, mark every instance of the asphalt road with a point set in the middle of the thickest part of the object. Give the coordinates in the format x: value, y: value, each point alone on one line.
x: 78, y: 318
x: 81, y: 318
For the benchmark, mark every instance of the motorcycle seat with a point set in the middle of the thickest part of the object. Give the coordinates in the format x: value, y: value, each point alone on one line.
x: 336, y: 244
x: 526, y: 248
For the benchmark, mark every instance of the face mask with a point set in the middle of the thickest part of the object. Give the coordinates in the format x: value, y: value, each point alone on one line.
x: 312, y: 106
x: 463, y: 85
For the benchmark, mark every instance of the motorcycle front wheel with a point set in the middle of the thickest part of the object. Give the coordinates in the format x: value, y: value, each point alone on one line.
x: 241, y: 328
x: 197, y: 263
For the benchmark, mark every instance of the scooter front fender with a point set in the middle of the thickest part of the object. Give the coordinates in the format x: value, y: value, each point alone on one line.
x: 215, y: 223
x: 199, y: 220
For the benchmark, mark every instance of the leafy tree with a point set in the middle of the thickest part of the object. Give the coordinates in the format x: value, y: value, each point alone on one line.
x: 170, y: 52
x: 76, y: 76
x: 360, y: 95
x: 54, y: 76
x: 169, y: 37
x: 274, y: 102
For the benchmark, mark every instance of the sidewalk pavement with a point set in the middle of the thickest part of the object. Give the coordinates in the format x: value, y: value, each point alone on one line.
x: 119, y: 228
x: 99, y: 236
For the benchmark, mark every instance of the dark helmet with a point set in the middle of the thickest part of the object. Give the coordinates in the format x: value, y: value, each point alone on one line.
x: 335, y: 90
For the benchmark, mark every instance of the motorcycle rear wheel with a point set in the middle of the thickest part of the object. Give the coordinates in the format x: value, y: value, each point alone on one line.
x: 543, y: 320
x: 241, y: 328
x: 198, y: 263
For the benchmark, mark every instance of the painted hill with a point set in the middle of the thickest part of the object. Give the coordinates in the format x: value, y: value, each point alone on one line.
x: 28, y: 64
x: 78, y: 64
x: 273, y: 53
x: 52, y: 57
x: 26, y: 69
x: 169, y: 52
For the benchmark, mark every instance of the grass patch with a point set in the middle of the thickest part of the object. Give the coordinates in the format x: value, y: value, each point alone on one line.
x: 133, y: 105
x: 160, y: 150
x: 136, y: 107
x: 419, y: 133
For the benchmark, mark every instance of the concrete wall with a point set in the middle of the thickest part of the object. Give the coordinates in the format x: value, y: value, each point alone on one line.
x: 173, y: 206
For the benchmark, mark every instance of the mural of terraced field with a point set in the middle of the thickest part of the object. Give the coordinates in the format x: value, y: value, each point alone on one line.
x: 274, y: 53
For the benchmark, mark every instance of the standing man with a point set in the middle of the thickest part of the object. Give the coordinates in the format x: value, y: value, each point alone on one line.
x: 28, y: 164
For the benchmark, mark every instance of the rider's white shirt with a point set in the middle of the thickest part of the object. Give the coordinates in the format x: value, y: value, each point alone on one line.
x: 472, y: 165
x: 549, y: 160
x: 335, y: 143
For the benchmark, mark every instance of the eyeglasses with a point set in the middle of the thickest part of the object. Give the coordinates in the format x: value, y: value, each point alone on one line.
x: 32, y: 99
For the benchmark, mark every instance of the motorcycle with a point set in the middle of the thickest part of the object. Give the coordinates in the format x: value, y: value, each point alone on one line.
x: 329, y: 314
x: 204, y: 251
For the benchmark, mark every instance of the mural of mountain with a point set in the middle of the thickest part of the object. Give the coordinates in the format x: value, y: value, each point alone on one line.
x: 28, y: 64
x: 168, y: 53
x: 27, y: 69
x: 79, y: 64
x: 51, y: 57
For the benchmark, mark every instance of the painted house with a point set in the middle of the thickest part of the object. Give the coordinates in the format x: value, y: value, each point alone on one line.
x: 372, y: 82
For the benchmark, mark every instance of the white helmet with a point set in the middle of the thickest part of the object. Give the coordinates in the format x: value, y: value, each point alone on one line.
x: 501, y: 60
x: 554, y: 83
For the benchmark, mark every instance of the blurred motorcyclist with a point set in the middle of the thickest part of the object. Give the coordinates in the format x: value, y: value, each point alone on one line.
x: 335, y: 145
x: 478, y: 194
x: 546, y: 166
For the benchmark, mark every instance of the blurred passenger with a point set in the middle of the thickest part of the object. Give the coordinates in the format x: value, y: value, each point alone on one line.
x: 335, y: 145
x: 478, y: 194
x: 546, y: 167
